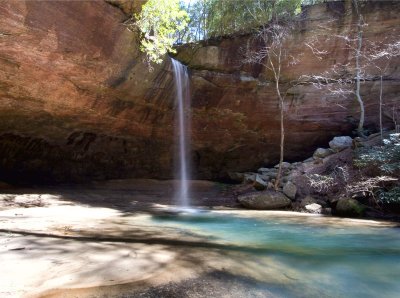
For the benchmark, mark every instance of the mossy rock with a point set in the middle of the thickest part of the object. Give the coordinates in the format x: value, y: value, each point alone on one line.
x: 349, y: 208
x: 266, y: 200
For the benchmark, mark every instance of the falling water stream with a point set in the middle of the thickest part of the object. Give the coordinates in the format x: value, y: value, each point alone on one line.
x: 182, y: 129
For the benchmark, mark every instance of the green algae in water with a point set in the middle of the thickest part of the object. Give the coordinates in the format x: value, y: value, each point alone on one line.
x: 323, y: 260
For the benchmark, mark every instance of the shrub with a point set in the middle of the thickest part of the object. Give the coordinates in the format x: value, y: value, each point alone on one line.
x: 385, y: 158
x: 390, y: 198
x: 382, y: 165
x: 324, y: 184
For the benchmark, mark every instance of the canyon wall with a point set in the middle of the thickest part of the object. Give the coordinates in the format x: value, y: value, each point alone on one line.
x: 78, y: 102
x: 235, y: 106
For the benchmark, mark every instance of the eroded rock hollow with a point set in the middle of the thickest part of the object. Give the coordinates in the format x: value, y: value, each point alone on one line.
x: 78, y: 103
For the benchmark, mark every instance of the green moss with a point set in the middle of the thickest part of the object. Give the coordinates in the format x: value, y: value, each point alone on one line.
x: 350, y: 208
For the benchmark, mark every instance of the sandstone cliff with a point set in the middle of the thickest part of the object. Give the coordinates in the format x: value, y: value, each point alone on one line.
x: 242, y: 123
x: 77, y: 102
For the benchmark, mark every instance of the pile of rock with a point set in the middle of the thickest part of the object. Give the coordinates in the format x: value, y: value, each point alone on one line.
x: 266, y: 197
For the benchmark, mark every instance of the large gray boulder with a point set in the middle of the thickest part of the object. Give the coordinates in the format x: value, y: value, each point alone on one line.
x: 266, y: 200
x: 270, y: 172
x: 349, y: 208
x: 249, y: 177
x: 259, y: 183
x: 263, y: 170
x: 340, y: 143
x: 285, y: 165
x: 322, y: 153
x: 290, y: 190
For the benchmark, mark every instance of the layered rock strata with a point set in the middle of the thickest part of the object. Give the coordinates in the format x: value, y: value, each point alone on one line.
x: 77, y: 101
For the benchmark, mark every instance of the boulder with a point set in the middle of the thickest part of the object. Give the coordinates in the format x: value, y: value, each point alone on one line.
x: 285, y: 179
x: 249, y: 177
x: 236, y: 176
x: 271, y: 175
x: 340, y: 143
x: 314, y: 208
x: 263, y: 170
x: 264, y: 177
x: 323, y: 203
x: 327, y: 211
x: 349, y: 208
x: 307, y: 201
x: 285, y: 165
x: 289, y: 189
x: 264, y: 201
x: 296, y: 164
x: 322, y: 153
x: 271, y: 172
x: 310, y: 159
x: 259, y: 184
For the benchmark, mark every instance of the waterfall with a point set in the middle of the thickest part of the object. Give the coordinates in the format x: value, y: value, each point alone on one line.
x: 182, y: 132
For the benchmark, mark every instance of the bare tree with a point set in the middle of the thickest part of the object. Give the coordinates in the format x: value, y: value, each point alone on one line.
x: 339, y: 79
x: 360, y: 24
x: 380, y: 56
x: 272, y: 55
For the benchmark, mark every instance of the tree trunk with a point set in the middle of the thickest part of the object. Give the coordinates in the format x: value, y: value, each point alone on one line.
x: 360, y: 128
x: 380, y: 108
x: 282, y: 142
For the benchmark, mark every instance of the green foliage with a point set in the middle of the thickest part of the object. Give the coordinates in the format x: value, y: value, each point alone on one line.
x: 390, y: 197
x: 165, y: 22
x: 159, y: 23
x: 385, y: 158
x: 197, y: 28
x: 214, y: 18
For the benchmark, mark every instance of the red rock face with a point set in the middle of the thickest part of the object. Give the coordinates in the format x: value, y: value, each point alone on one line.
x: 77, y: 102
x: 236, y: 114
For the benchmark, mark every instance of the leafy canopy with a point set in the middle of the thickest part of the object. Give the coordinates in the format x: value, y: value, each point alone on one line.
x: 214, y: 18
x: 159, y: 23
x: 165, y: 22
